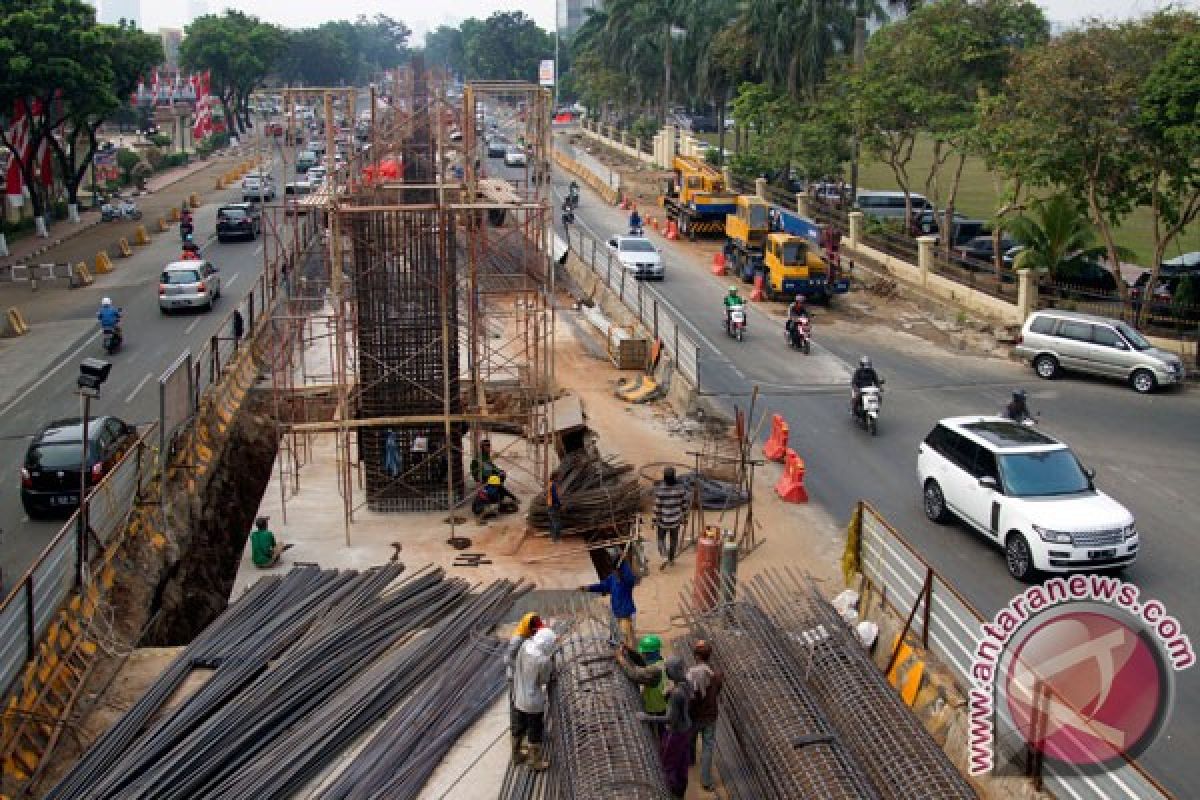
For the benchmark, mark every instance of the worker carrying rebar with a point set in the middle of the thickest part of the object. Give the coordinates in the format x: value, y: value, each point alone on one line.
x: 531, y: 675
x: 705, y: 681
x: 675, y: 745
x: 265, y: 549
x: 618, y: 585
x: 670, y: 504
x: 645, y: 668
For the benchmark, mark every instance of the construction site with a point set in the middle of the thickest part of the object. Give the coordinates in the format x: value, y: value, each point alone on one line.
x: 435, y: 328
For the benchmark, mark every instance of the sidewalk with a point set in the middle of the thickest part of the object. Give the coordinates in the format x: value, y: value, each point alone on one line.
x: 31, y: 249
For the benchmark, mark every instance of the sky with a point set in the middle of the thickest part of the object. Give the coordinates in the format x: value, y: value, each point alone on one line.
x: 424, y: 16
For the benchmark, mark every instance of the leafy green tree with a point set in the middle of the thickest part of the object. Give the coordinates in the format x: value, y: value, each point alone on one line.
x: 508, y: 45
x: 444, y: 47
x: 381, y: 42
x: 239, y: 51
x: 46, y: 53
x: 321, y: 56
x: 1056, y: 234
x: 1169, y: 125
x: 1075, y: 120
x: 118, y: 62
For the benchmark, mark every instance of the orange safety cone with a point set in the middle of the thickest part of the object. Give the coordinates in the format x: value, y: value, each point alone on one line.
x: 653, y: 223
x: 718, y: 263
x: 672, y: 230
x: 758, y: 295
x: 776, y: 446
x: 790, y: 487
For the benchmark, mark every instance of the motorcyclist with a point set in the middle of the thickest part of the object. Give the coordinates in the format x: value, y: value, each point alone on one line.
x: 1018, y: 408
x: 191, y: 251
x: 796, y: 311
x: 864, y: 376
x: 635, y: 223
x: 568, y: 213
x: 573, y: 190
x: 110, y: 317
x: 732, y: 300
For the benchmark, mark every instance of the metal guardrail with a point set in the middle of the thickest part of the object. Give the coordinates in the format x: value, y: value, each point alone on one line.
x: 950, y: 628
x: 655, y: 316
x: 63, y: 566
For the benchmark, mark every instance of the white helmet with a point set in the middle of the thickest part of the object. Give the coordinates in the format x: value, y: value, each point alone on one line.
x: 106, y: 301
x: 864, y: 362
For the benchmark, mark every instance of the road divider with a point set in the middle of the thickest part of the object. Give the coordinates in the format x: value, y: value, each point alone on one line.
x: 776, y: 446
x: 126, y: 250
x: 790, y: 486
x: 163, y: 227
x: 140, y: 236
x: 82, y: 275
x: 194, y: 200
x: 104, y: 264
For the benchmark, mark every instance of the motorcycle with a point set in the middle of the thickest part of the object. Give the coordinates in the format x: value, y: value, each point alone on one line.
x: 870, y: 401
x: 573, y: 197
x: 126, y: 209
x: 735, y: 322
x: 186, y: 229
x: 112, y: 339
x: 568, y: 218
x: 799, y: 334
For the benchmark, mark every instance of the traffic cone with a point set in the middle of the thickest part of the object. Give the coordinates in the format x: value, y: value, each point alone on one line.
x: 718, y: 263
x: 757, y: 295
x: 653, y: 223
x: 672, y: 230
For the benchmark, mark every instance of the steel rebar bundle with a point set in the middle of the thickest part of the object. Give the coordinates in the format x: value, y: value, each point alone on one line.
x: 592, y: 492
x: 599, y: 749
x: 783, y: 736
x: 900, y: 756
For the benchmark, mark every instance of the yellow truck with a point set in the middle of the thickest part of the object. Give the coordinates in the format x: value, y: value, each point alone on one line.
x: 745, y: 235
x: 792, y: 266
x: 696, y: 199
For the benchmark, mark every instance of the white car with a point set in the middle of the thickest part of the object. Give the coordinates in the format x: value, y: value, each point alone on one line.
x: 1026, y: 492
x: 256, y: 186
x: 639, y: 256
x: 514, y: 157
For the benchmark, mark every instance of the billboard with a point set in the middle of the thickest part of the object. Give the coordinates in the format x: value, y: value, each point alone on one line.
x: 546, y: 72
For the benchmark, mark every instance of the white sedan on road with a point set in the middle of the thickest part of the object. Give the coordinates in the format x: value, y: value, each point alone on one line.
x: 638, y: 256
x: 514, y: 157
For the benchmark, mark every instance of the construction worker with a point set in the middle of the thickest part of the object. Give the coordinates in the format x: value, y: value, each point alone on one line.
x: 618, y: 585
x: 648, y: 674
x: 265, y: 550
x: 529, y: 624
x: 675, y: 747
x: 554, y: 509
x: 531, y: 674
x: 670, y: 503
x: 705, y: 682
x: 482, y: 464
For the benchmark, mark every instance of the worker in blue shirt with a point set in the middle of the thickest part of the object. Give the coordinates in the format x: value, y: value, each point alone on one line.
x: 619, y: 588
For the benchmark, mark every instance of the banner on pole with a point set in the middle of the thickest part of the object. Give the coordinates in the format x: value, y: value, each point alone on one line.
x: 546, y: 73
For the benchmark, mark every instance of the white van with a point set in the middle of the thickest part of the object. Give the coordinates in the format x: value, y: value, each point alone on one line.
x: 889, y: 205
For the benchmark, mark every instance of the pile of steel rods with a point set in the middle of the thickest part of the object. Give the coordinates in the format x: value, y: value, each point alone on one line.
x: 785, y: 738
x: 901, y: 758
x: 304, y: 665
x: 592, y: 492
x: 715, y: 495
x: 599, y: 750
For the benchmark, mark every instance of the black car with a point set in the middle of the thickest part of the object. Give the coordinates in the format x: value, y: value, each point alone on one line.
x: 50, y: 474
x: 238, y: 221
x: 496, y: 147
x: 978, y: 252
x: 1083, y: 279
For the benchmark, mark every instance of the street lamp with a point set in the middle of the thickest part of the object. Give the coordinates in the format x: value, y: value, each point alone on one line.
x: 92, y: 373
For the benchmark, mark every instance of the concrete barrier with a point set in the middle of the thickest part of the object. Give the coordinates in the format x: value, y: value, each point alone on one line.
x: 103, y: 263
x: 126, y: 250
x: 140, y: 236
x: 16, y: 322
x: 83, y: 275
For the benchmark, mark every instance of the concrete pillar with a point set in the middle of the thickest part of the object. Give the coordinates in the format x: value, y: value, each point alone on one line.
x: 727, y: 176
x: 802, y: 207
x: 925, y: 245
x: 760, y: 187
x: 856, y: 228
x: 1026, y: 293
x: 637, y: 145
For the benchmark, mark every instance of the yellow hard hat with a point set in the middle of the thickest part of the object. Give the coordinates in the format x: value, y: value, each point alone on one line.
x: 493, y: 480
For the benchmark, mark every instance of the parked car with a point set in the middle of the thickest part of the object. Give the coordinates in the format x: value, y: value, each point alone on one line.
x: 238, y: 221
x: 889, y: 205
x: 259, y: 187
x: 305, y: 160
x: 638, y: 256
x: 188, y: 284
x: 1026, y: 492
x: 50, y: 472
x: 496, y: 148
x: 1082, y: 278
x: 514, y: 157
x: 1053, y: 340
x: 977, y: 253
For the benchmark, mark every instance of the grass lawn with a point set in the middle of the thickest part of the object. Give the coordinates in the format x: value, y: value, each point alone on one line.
x: 979, y: 195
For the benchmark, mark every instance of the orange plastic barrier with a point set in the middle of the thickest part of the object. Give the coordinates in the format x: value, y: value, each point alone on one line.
x: 790, y: 487
x: 776, y: 445
x: 672, y: 230
x: 718, y: 265
x: 758, y: 295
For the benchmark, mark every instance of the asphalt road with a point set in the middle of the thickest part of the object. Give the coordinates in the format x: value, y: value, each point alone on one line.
x: 1143, y: 448
x: 152, y: 343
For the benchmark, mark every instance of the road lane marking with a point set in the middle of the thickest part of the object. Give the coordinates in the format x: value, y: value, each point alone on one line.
x: 192, y: 327
x: 230, y: 281
x: 34, y: 386
x: 138, y: 388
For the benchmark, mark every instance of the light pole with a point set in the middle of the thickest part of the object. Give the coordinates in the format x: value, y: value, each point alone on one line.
x: 92, y: 373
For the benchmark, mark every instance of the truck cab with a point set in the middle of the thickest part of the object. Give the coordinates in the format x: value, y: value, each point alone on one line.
x: 745, y: 234
x: 792, y: 267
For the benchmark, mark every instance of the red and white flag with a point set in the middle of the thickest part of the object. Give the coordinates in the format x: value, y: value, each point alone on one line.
x: 18, y: 135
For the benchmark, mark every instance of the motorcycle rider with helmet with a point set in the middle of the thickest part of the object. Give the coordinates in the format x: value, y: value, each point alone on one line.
x: 732, y: 300
x: 796, y: 312
x: 864, y: 376
x: 110, y: 318
x: 635, y: 223
x: 1018, y: 408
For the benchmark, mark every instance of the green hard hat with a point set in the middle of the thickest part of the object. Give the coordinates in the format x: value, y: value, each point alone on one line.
x: 650, y: 644
x: 733, y: 290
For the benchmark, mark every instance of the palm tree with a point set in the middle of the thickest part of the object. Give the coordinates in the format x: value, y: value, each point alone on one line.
x: 1056, y: 235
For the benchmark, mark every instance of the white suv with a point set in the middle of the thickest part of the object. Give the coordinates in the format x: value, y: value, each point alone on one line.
x: 257, y: 186
x: 1027, y: 492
